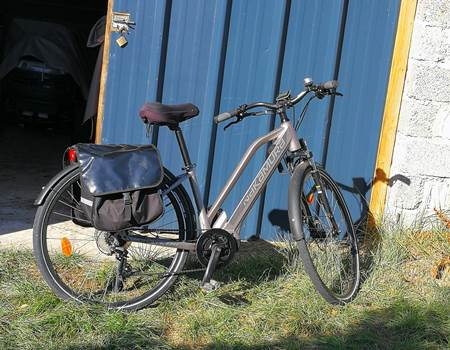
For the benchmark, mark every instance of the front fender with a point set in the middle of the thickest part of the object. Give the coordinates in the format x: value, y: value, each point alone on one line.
x: 53, y: 182
x: 294, y: 195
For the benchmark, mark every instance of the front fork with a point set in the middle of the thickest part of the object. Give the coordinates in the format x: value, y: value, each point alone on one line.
x: 306, y: 155
x: 322, y: 197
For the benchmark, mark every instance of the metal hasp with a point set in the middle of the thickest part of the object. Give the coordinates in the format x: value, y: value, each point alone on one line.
x: 122, y: 24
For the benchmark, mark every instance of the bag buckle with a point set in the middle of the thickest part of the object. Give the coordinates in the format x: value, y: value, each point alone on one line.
x: 127, y: 198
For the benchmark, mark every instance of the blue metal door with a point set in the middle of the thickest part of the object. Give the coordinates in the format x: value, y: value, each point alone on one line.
x: 219, y: 54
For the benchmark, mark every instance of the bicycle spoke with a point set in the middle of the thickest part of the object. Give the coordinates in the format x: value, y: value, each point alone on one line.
x: 70, y: 217
x: 70, y: 206
x: 72, y: 239
x: 72, y: 197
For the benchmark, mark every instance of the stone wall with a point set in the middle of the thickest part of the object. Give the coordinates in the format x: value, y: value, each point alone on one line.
x: 422, y: 146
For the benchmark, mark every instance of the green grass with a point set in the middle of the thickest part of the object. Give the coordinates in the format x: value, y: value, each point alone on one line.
x: 400, y: 306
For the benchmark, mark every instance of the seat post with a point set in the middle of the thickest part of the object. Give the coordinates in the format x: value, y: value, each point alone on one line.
x: 189, y: 169
x: 183, y: 147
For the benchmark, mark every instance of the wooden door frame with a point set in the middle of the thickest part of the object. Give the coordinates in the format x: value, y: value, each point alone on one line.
x: 104, y: 74
x: 391, y: 113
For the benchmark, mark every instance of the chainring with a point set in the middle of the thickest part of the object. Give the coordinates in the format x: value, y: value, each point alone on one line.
x: 216, y: 236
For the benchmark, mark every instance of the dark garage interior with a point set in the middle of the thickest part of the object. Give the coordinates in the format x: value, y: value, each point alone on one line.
x: 46, y: 69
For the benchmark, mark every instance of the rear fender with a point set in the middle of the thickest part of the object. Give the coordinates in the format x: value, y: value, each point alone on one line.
x: 53, y: 182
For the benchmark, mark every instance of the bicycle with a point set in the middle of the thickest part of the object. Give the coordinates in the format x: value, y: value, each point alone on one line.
x: 131, y: 269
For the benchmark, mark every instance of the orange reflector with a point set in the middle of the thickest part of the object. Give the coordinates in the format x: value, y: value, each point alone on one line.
x: 66, y: 247
x: 310, y: 198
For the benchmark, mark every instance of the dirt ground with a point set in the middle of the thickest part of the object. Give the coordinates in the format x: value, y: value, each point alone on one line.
x: 29, y: 157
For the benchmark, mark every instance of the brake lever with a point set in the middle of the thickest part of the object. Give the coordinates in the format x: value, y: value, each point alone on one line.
x: 334, y: 92
x: 239, y: 116
x: 238, y: 119
x: 321, y: 94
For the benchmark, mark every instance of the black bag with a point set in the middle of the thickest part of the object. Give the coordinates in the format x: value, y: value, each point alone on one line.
x: 119, y: 185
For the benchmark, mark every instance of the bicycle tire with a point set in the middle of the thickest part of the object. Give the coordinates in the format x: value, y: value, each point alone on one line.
x: 316, y: 241
x: 61, y: 273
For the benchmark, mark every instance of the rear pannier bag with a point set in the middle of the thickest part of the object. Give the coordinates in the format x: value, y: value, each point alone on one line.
x: 119, y: 185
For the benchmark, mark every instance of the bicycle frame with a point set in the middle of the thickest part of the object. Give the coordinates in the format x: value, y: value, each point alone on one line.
x: 285, y: 138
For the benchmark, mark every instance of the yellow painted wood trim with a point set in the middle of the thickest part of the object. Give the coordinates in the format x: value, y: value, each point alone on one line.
x: 104, y: 75
x: 392, y: 109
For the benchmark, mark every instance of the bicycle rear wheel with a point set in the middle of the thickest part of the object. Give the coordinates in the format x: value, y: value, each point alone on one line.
x: 76, y: 260
x: 329, y: 251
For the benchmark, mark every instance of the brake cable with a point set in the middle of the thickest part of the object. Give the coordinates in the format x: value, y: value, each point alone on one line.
x: 302, y: 115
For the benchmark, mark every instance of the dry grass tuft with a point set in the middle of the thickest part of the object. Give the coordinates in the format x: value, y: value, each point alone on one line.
x: 441, y: 270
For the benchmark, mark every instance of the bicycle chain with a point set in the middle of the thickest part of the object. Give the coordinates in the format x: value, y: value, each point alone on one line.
x: 167, y: 274
x: 184, y: 272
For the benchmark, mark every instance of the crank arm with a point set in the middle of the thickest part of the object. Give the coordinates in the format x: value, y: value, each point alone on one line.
x: 212, y: 263
x: 169, y: 243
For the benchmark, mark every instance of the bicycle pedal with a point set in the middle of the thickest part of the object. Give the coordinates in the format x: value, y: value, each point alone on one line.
x: 210, y: 286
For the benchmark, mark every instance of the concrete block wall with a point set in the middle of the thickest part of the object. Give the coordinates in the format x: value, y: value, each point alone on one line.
x: 422, y: 146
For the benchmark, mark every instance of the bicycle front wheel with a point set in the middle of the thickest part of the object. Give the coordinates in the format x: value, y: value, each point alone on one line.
x: 326, y: 236
x: 78, y: 264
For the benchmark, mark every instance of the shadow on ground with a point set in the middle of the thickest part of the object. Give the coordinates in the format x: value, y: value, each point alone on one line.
x: 399, y: 326
x: 255, y: 261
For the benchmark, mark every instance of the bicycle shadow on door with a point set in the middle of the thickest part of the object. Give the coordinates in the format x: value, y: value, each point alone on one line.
x: 360, y: 189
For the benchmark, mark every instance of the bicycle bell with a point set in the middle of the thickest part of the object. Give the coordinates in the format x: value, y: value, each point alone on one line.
x: 307, y: 82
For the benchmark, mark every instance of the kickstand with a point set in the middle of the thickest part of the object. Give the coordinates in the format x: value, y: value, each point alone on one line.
x: 208, y: 284
x: 119, y: 281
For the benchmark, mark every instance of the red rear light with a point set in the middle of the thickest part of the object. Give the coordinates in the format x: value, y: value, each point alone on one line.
x: 72, y: 155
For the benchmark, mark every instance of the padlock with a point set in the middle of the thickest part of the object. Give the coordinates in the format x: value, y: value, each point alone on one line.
x: 122, y: 41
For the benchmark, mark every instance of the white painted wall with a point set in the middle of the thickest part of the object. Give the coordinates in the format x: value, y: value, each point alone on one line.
x: 422, y: 146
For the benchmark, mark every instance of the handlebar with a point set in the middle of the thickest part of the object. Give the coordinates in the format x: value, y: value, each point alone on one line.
x: 241, y: 111
x: 321, y: 90
x: 222, y: 117
x: 332, y: 84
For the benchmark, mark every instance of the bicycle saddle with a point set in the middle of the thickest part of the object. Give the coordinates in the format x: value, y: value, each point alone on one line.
x: 170, y: 115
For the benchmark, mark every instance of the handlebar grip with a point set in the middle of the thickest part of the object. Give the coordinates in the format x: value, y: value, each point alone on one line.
x: 332, y: 84
x: 222, y: 117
